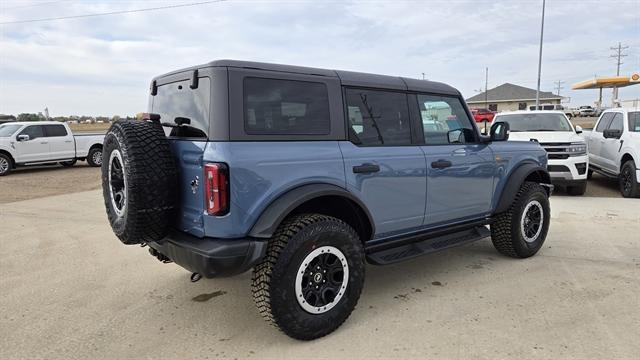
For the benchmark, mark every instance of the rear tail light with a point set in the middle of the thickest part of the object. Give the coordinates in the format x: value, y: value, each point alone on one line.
x: 216, y: 189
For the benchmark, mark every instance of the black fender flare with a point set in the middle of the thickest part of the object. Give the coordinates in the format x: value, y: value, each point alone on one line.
x: 516, y: 179
x: 278, y: 210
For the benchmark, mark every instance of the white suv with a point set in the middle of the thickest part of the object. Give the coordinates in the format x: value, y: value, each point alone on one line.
x: 566, y: 150
x: 614, y: 148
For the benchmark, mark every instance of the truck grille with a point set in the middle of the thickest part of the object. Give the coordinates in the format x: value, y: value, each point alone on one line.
x: 556, y: 150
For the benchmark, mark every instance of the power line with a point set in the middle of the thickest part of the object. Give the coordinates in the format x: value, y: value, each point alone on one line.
x: 34, y: 5
x: 110, y: 13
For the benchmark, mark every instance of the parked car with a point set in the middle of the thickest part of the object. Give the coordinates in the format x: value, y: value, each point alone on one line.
x: 42, y: 142
x: 566, y: 150
x: 557, y: 107
x: 586, y: 111
x: 614, y: 148
x: 483, y: 116
x: 304, y: 174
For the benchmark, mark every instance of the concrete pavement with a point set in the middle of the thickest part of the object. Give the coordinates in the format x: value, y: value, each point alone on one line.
x: 70, y: 290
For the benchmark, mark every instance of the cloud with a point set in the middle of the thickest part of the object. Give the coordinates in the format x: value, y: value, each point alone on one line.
x: 103, y: 65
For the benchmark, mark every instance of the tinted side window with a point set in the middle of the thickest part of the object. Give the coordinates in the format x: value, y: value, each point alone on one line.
x: 34, y: 131
x: 443, y: 119
x: 617, y: 123
x: 604, y: 122
x: 285, y: 107
x: 55, y: 130
x: 378, y: 117
x: 634, y: 121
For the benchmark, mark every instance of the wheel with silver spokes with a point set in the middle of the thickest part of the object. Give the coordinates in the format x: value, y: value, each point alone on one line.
x: 94, y: 158
x: 311, y: 277
x: 531, y: 222
x: 521, y: 230
x: 5, y: 164
x: 117, y: 183
x: 322, y: 279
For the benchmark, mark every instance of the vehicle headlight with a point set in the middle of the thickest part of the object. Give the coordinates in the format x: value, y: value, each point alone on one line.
x: 577, y: 149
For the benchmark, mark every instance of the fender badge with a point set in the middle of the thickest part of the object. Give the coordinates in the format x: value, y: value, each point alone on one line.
x: 194, y: 185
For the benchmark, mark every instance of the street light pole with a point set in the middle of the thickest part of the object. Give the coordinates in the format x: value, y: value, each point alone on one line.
x: 540, y: 58
x: 486, y: 81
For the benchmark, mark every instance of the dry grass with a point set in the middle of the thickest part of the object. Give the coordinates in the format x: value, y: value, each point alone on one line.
x: 97, y: 127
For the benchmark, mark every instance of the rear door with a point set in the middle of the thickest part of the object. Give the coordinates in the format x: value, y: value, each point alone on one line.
x: 61, y: 143
x: 596, y: 139
x: 176, y: 98
x: 382, y: 165
x: 36, y: 148
x: 610, y: 147
x: 460, y: 169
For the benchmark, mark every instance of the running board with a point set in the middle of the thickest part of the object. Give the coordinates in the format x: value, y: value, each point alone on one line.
x: 427, y: 246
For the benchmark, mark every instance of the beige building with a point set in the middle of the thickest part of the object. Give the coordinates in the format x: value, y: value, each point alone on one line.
x: 509, y: 97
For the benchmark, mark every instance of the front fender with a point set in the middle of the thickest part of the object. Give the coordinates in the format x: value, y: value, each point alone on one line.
x: 515, y: 181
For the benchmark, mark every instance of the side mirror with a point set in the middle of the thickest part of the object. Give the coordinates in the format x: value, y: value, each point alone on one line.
x: 612, y: 134
x: 578, y: 129
x: 500, y: 131
x: 23, y: 137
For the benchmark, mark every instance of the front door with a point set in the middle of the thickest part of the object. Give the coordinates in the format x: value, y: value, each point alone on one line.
x: 382, y: 166
x: 611, y: 147
x: 460, y: 170
x: 36, y: 148
x: 596, y: 139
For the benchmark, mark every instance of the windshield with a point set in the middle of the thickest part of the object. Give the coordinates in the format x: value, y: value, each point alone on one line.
x: 8, y: 130
x: 536, y: 122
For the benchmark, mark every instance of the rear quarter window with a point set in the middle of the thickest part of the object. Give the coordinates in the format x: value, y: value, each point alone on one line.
x: 285, y: 107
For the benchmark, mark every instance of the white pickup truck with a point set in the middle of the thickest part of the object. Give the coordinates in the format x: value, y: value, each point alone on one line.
x: 614, y: 148
x: 42, y: 142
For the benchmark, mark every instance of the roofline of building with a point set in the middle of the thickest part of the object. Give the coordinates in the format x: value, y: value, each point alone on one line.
x: 509, y: 100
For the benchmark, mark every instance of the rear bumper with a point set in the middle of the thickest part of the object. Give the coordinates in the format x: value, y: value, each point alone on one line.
x: 211, y: 257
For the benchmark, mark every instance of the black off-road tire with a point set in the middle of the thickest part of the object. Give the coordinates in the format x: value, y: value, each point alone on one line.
x: 628, y: 183
x: 7, y: 163
x: 91, y: 157
x: 274, y: 279
x: 69, y: 163
x: 577, y: 190
x: 150, y: 181
x: 506, y: 233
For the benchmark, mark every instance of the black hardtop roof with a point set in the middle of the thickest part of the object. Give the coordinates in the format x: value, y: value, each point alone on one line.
x: 346, y: 77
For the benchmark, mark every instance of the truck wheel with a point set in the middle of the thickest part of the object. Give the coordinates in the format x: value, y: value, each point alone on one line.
x: 69, y: 163
x: 311, y: 278
x: 628, y: 183
x: 577, y: 190
x: 5, y: 165
x: 94, y: 158
x: 520, y: 231
x: 139, y: 181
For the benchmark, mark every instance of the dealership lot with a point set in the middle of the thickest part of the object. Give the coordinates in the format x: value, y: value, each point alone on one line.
x: 72, y: 291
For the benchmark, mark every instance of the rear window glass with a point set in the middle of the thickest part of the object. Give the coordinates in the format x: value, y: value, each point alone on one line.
x: 634, y: 121
x: 285, y: 107
x: 177, y: 99
x: 55, y: 130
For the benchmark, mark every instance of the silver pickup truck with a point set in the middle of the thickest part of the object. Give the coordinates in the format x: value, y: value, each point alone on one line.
x: 42, y: 142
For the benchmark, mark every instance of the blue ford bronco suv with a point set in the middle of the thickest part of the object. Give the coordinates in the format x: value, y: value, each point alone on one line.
x: 305, y: 174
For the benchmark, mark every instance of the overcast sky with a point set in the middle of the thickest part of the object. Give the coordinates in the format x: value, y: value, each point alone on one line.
x: 103, y: 65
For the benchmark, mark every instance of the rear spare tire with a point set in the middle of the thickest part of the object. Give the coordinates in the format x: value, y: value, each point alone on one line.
x: 139, y: 181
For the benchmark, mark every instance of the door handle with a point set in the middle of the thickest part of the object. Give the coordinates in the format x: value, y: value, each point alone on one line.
x: 67, y: 141
x: 366, y: 169
x: 441, y: 164
x: 43, y: 142
x: 459, y: 152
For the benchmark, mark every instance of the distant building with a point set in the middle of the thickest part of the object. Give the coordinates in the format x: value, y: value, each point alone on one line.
x: 510, y: 97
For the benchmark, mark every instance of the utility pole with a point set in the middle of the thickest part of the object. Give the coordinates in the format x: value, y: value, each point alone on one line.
x: 540, y: 57
x: 423, y: 76
x: 559, y: 86
x: 486, y: 84
x: 617, y: 55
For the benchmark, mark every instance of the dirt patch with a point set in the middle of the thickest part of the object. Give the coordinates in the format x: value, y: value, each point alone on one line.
x: 41, y: 181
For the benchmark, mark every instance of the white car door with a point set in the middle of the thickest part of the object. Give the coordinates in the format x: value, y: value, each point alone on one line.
x: 611, y: 147
x: 596, y: 140
x: 61, y: 143
x: 34, y: 149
